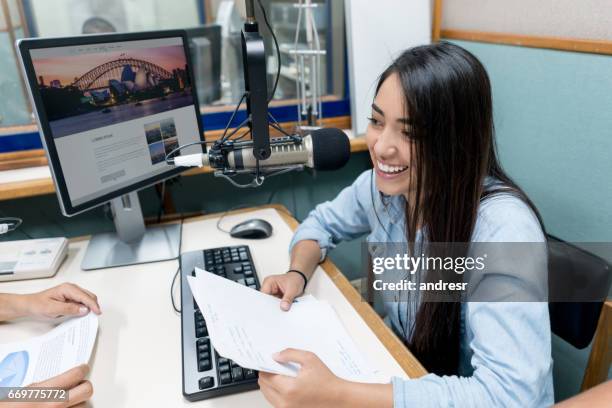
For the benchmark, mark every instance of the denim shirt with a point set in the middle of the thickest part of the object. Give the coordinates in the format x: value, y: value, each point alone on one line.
x: 505, y: 347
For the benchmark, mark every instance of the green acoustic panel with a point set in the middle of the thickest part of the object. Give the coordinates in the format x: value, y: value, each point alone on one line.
x: 553, y: 117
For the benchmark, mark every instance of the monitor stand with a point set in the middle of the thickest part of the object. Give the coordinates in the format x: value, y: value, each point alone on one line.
x: 132, y: 243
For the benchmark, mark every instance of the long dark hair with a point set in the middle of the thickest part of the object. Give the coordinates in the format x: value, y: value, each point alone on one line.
x: 449, y: 105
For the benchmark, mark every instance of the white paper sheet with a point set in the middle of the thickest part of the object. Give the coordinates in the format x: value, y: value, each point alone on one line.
x: 248, y: 327
x: 40, y: 358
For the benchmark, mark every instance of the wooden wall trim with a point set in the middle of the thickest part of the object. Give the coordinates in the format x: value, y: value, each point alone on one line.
x: 601, y: 351
x: 553, y: 43
x: 31, y: 188
x: 37, y: 157
x: 437, y: 21
x: 19, y: 160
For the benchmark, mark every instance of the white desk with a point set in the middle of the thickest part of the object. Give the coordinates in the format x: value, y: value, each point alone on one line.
x: 137, y: 358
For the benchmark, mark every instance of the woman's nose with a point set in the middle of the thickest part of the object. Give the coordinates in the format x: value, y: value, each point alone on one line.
x: 384, y: 147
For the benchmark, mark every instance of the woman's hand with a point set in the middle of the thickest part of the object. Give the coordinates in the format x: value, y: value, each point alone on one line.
x: 66, y: 299
x: 79, y: 390
x: 315, y: 385
x: 287, y: 287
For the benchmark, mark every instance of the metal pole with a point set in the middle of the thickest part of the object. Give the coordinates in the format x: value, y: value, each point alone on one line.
x: 250, y: 11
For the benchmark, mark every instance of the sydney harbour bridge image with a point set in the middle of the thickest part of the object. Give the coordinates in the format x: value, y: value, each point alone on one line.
x: 116, y: 90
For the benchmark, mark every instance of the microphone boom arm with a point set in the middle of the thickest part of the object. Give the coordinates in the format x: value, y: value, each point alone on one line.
x: 256, y: 83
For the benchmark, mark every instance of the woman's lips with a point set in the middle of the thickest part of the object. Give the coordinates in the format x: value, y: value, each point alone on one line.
x: 389, y: 176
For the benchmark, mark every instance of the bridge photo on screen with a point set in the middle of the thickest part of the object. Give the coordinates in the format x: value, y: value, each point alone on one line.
x: 88, y: 90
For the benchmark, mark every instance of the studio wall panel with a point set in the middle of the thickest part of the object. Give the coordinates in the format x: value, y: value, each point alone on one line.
x: 578, y: 19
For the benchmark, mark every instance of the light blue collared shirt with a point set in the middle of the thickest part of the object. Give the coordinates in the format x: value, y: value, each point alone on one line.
x: 505, y: 347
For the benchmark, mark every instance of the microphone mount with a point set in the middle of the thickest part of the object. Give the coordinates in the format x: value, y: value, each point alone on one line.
x: 256, y: 83
x: 218, y: 156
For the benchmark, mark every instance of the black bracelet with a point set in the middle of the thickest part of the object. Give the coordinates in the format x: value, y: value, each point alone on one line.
x: 302, y: 275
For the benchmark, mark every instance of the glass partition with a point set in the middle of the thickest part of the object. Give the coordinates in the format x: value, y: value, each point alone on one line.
x: 214, y: 28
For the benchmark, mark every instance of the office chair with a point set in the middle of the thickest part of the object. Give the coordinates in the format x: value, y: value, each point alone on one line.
x: 576, y: 275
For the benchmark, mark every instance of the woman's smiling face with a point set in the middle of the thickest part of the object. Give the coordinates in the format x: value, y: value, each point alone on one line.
x: 389, y: 139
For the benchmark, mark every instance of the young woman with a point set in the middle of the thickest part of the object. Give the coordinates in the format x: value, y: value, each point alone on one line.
x: 436, y: 178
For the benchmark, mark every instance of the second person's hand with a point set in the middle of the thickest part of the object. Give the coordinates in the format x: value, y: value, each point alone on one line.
x: 66, y: 299
x: 287, y: 286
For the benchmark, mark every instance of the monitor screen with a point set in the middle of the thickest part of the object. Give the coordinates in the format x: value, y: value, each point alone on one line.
x: 114, y: 110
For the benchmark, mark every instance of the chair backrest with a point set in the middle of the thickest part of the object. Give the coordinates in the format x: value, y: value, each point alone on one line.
x: 574, y: 272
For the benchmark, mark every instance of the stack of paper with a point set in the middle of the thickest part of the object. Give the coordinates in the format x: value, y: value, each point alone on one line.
x: 248, y: 327
x: 40, y: 358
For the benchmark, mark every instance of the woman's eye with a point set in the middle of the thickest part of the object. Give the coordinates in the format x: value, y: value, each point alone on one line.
x: 374, y: 122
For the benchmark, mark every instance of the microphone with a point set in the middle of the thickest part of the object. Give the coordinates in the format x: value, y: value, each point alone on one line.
x: 323, y: 149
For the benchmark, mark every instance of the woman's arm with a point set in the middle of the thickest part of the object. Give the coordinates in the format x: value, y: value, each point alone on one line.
x: 345, y: 217
x: 66, y: 299
x: 305, y: 257
x: 12, y: 306
x: 596, y: 397
x: 511, y: 359
x: 316, y: 386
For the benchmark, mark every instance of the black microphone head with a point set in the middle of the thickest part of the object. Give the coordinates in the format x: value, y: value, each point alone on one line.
x: 331, y: 149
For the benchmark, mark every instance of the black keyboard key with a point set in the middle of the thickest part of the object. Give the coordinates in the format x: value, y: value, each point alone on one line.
x: 204, y: 365
x: 206, y: 382
x: 225, y: 378
x: 201, y: 332
x: 248, y: 273
x: 204, y: 355
x: 250, y: 281
x: 244, y: 256
x: 249, y: 374
x: 237, y: 374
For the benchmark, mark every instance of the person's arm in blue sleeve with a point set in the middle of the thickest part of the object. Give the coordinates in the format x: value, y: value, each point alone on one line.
x: 343, y: 218
x: 510, y: 342
x: 511, y: 361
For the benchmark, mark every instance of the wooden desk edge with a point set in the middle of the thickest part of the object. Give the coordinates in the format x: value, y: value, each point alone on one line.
x: 411, y: 366
x: 31, y: 188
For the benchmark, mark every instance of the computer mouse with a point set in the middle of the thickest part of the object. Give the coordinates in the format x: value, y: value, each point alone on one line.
x: 252, y: 229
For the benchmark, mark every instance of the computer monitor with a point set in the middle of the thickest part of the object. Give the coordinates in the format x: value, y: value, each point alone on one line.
x: 205, y: 46
x: 110, y: 108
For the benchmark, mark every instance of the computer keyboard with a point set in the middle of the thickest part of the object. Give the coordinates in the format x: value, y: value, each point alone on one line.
x: 205, y: 373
